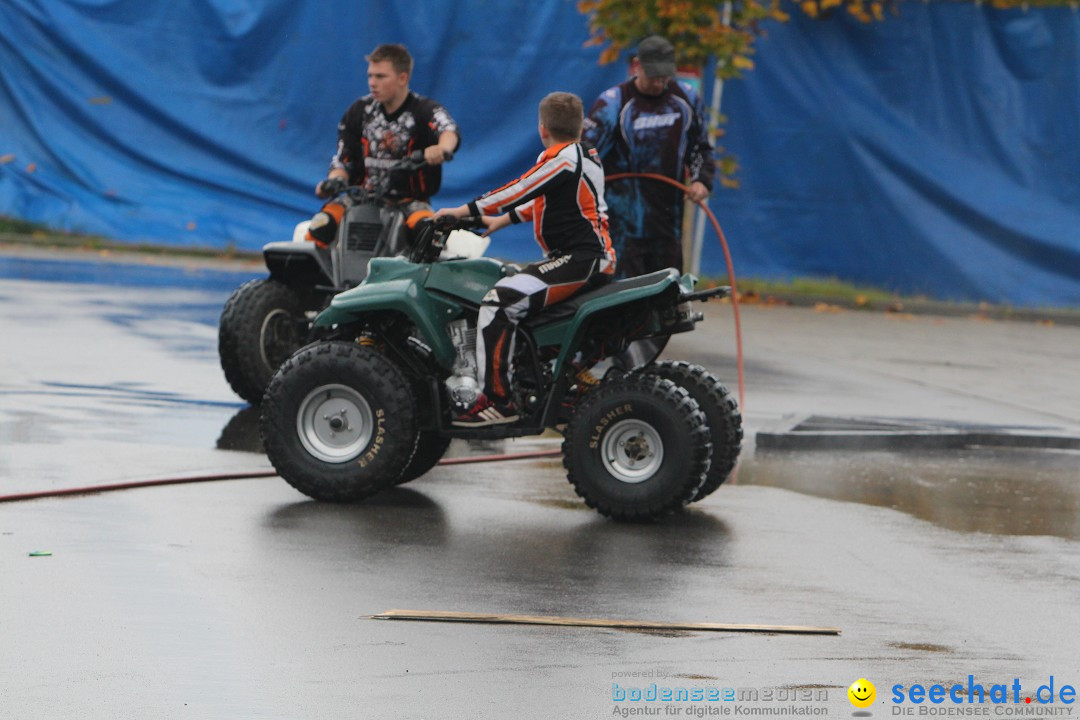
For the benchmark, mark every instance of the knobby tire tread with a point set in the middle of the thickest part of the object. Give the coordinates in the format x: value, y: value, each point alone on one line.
x: 348, y: 364
x: 674, y: 490
x: 721, y: 414
x: 238, y: 334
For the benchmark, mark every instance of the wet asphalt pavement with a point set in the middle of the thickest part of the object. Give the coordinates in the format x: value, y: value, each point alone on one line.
x: 242, y: 599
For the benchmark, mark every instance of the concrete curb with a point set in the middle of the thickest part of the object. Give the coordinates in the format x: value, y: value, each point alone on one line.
x: 816, y: 432
x: 901, y: 306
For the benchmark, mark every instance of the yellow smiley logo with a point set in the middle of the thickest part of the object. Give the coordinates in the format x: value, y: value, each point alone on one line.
x: 862, y: 693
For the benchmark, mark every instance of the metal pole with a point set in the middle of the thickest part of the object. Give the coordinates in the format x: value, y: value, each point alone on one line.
x: 699, y: 217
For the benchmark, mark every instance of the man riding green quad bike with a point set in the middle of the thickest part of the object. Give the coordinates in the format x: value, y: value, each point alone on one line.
x: 370, y: 404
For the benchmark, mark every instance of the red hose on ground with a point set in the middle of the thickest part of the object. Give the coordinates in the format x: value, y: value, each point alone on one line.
x: 500, y: 458
x: 130, y: 486
x: 92, y: 489
x: 730, y: 268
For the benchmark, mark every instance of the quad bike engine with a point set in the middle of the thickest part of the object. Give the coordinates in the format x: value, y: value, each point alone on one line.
x: 462, y: 384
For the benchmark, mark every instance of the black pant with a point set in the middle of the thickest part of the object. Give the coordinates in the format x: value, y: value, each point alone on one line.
x: 516, y: 297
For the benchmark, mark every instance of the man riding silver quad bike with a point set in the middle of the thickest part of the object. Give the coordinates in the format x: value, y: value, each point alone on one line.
x: 266, y: 320
x: 369, y: 404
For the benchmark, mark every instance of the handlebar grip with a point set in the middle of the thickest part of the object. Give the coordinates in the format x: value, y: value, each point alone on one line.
x: 331, y: 187
x: 417, y: 156
x: 469, y: 222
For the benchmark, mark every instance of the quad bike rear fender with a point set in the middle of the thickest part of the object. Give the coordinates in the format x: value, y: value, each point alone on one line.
x: 567, y: 333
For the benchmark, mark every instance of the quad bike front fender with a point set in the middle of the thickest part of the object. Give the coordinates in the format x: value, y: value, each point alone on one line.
x: 428, y: 313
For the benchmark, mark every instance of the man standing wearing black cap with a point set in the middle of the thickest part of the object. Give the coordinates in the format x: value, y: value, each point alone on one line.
x: 650, y: 124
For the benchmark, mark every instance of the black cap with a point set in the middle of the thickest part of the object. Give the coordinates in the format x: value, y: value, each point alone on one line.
x: 657, y: 57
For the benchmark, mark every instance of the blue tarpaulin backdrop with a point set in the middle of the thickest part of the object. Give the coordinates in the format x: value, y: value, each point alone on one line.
x: 937, y: 152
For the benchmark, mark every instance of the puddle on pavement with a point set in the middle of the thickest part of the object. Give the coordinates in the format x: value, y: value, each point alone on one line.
x: 242, y: 432
x: 656, y: 632
x: 922, y: 647
x: 990, y: 490
x: 93, y: 271
x: 53, y: 413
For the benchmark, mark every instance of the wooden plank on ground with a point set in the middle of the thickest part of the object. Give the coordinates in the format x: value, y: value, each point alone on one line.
x: 450, y: 616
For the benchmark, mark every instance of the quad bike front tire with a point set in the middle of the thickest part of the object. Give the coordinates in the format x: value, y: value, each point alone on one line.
x: 430, y: 448
x: 339, y: 421
x: 637, y: 448
x: 263, y: 323
x: 721, y: 415
x: 430, y: 445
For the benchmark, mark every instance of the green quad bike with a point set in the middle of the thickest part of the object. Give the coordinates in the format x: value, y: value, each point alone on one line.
x: 267, y: 319
x: 368, y: 405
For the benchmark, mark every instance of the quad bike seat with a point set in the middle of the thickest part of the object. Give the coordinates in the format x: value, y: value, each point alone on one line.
x: 569, y: 308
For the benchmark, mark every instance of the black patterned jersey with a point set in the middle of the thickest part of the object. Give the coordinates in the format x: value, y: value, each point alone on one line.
x: 664, y: 134
x: 367, y: 132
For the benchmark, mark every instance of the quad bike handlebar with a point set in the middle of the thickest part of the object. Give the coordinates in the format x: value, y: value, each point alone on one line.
x: 379, y: 191
x: 431, y: 239
x: 413, y: 161
x: 336, y: 187
x: 447, y: 223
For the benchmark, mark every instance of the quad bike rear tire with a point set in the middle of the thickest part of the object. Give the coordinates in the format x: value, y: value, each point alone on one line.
x: 242, y: 432
x: 721, y: 415
x: 637, y: 448
x: 339, y: 421
x: 263, y: 323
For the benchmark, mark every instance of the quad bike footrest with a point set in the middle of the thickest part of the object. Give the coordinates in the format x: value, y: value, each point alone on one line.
x: 704, y: 295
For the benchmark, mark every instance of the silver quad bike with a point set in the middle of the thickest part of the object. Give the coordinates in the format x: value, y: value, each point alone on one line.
x: 266, y: 320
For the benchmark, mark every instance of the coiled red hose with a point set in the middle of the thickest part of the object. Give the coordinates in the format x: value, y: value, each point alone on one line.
x: 730, y: 269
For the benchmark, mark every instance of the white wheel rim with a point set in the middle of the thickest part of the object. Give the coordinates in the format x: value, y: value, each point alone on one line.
x: 334, y: 423
x: 632, y: 451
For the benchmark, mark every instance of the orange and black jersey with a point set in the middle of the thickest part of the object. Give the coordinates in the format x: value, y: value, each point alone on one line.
x: 563, y: 195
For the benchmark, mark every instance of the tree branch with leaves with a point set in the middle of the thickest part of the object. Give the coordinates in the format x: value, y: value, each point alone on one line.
x: 726, y: 31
